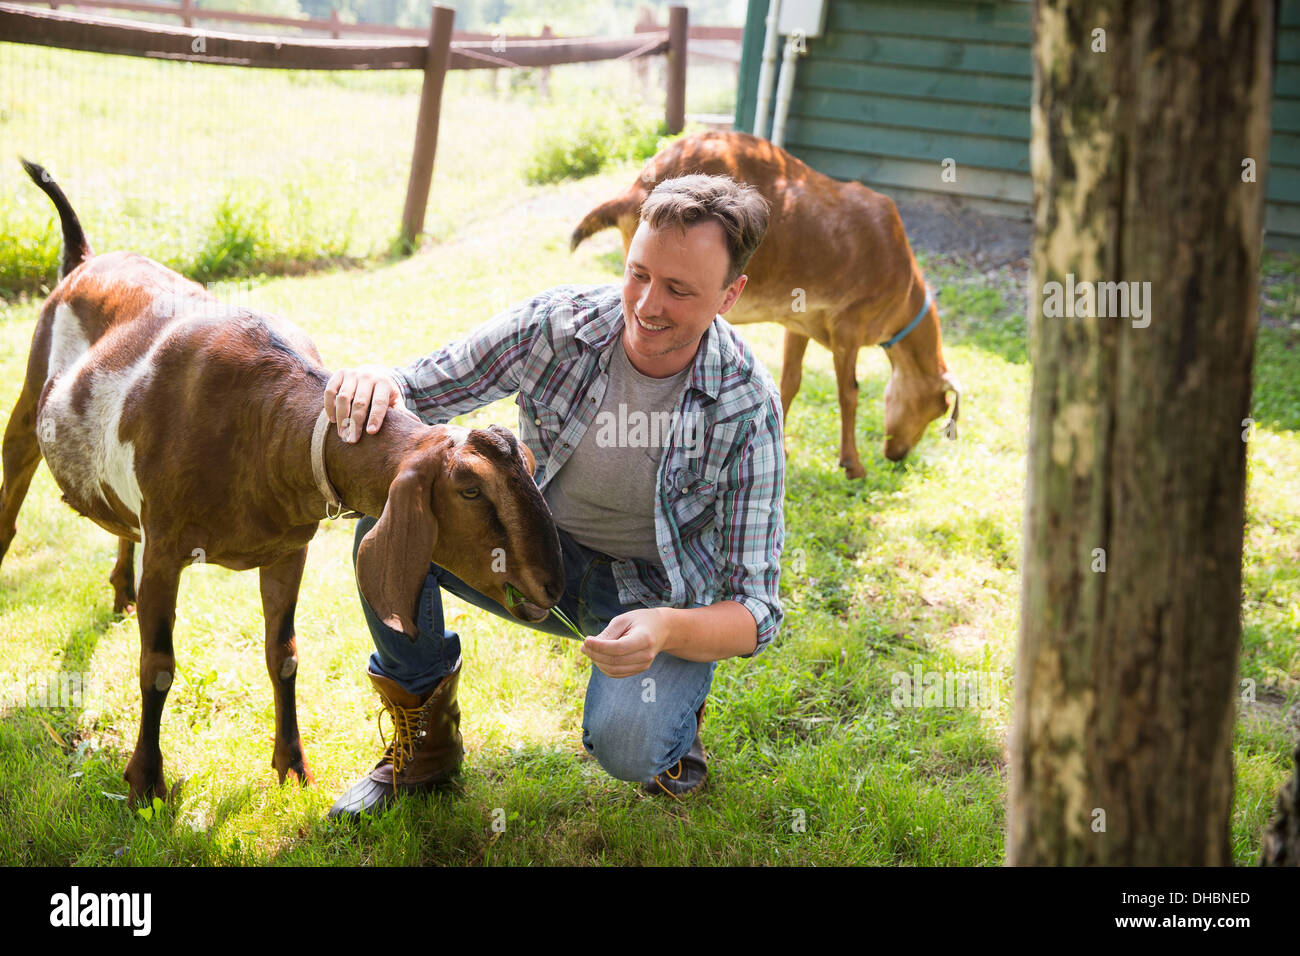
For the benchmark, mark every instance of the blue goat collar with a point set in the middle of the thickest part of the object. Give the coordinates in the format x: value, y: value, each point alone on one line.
x: 902, y: 333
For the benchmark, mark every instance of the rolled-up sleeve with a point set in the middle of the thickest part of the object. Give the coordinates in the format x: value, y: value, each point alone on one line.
x: 475, y: 371
x: 751, y: 523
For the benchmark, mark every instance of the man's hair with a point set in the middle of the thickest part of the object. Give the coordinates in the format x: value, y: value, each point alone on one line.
x: 738, y: 208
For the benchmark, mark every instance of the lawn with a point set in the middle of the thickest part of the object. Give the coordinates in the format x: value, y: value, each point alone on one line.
x: 812, y: 761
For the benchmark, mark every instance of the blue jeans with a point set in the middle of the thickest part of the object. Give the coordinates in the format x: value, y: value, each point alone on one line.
x: 636, y: 727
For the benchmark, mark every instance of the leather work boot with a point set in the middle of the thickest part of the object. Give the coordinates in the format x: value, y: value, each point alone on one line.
x: 426, y: 748
x: 689, y: 773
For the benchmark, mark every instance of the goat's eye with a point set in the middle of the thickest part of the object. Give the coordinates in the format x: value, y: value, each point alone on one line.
x: 469, y: 493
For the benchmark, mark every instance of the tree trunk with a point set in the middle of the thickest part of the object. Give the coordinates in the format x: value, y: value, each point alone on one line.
x: 1125, y: 677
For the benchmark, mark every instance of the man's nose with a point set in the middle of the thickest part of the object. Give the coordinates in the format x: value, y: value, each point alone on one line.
x: 647, y: 305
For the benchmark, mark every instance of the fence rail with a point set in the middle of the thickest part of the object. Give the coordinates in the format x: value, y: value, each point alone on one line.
x: 160, y: 41
x: 188, y: 14
x: 137, y: 38
x: 437, y: 54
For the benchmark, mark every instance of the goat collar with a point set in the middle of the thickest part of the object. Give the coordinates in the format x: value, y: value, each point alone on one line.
x: 902, y: 333
x: 333, y: 503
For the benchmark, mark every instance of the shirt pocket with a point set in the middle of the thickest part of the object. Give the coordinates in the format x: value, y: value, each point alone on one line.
x: 708, y: 455
x: 693, y: 481
x: 539, y: 427
x: 691, y: 499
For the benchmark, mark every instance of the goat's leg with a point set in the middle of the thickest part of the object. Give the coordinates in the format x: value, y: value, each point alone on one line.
x: 846, y: 382
x: 123, y: 576
x: 791, y: 373
x: 159, y: 582
x: 21, y: 455
x: 280, y: 582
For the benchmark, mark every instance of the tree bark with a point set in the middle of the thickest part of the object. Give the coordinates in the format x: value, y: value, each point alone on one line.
x: 1125, y: 678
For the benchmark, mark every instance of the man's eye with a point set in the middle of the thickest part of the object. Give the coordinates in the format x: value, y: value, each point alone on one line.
x: 679, y: 293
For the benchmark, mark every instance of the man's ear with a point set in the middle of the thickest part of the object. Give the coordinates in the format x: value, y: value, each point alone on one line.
x: 393, y: 558
x: 733, y: 293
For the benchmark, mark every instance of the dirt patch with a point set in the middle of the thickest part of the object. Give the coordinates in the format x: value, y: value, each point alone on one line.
x: 1269, y: 708
x: 948, y: 227
x: 966, y: 640
x: 999, y: 247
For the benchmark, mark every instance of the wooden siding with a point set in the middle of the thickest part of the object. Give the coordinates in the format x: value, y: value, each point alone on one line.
x: 894, y: 88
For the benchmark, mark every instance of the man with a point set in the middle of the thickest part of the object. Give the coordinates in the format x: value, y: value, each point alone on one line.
x: 658, y: 445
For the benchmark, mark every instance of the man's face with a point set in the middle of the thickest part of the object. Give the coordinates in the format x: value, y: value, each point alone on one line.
x: 672, y: 289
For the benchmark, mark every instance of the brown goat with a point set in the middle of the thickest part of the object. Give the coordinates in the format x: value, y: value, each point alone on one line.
x: 169, y: 418
x: 834, y: 266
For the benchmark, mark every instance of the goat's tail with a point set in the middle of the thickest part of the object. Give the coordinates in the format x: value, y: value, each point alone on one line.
x: 607, y: 214
x: 76, y: 248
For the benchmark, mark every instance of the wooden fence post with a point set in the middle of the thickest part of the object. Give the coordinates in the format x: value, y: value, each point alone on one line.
x: 426, y: 126
x: 675, y: 113
x: 187, y: 13
x: 646, y: 22
x: 334, y: 23
x: 544, y: 82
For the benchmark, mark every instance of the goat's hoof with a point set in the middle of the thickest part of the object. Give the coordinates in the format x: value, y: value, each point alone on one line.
x: 297, y: 770
x: 302, y: 775
x: 143, y: 787
x: 123, y: 599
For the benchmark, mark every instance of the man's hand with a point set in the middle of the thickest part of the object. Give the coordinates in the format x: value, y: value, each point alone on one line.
x: 357, y: 396
x: 630, y: 643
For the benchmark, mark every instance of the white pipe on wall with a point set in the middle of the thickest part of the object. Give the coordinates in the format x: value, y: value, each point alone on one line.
x: 766, y: 73
x: 783, y: 90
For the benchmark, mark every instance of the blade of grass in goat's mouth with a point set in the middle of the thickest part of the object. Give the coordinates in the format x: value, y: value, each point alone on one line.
x: 516, y: 597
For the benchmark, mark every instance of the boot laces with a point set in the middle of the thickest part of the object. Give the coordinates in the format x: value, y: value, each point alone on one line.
x: 408, y: 726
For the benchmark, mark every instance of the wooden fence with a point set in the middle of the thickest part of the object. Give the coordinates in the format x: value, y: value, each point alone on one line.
x: 189, y: 14
x: 435, y: 55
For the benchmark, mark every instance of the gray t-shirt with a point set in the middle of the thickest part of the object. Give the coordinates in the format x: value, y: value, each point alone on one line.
x: 604, y: 495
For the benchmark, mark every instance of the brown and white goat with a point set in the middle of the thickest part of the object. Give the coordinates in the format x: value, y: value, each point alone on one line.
x: 834, y: 266
x: 169, y: 418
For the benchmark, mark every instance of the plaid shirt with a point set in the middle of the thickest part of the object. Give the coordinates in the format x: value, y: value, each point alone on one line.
x: 718, y: 510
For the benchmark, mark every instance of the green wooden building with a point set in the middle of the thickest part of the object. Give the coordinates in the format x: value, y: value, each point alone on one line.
x: 895, y: 87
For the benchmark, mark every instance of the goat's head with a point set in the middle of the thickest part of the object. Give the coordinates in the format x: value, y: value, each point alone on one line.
x: 464, y: 499
x: 912, y: 401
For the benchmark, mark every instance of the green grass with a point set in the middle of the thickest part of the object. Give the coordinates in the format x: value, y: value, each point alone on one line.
x: 222, y: 172
x: 811, y: 761
x: 576, y: 140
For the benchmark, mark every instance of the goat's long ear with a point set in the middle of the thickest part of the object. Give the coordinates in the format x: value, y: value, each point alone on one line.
x: 951, y: 384
x: 393, y: 559
x: 530, y: 462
